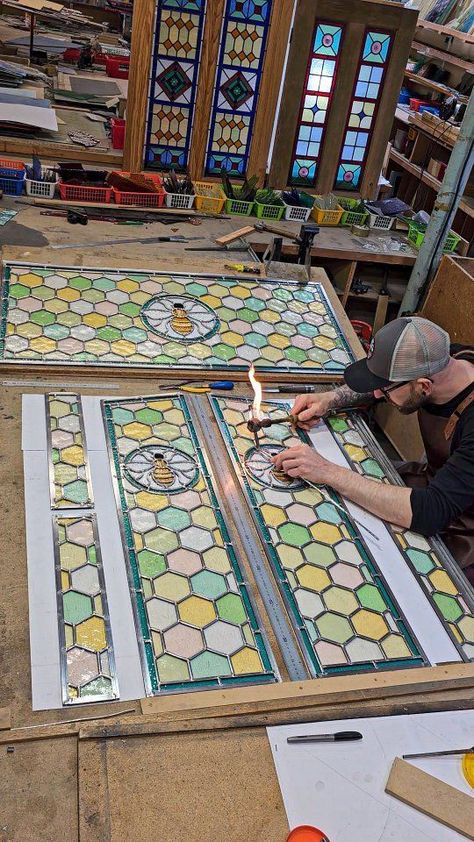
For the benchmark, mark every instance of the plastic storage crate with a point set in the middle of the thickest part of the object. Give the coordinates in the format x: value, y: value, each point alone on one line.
x: 295, y: 213
x: 268, y: 211
x: 326, y: 217
x: 210, y: 198
x: 12, y: 169
x: 42, y: 188
x: 12, y: 186
x: 236, y: 207
x: 82, y: 193
x: 143, y: 200
x: 117, y: 130
x: 350, y: 216
x: 381, y: 223
x: 117, y: 67
x: 416, y: 235
x: 179, y: 200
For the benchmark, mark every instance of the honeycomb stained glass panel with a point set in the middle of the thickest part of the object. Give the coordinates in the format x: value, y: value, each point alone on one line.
x: 367, y: 92
x: 238, y: 77
x: 424, y: 556
x: 315, y: 103
x: 70, y: 483
x: 101, y: 317
x: 195, y: 619
x: 175, y: 63
x: 342, y: 610
x: 87, y: 660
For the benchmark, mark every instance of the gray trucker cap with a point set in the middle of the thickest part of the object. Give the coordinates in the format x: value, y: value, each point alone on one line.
x: 402, y: 350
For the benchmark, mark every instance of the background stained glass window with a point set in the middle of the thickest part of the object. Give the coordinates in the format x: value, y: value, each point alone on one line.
x: 367, y: 92
x: 241, y: 57
x: 315, y: 104
x: 175, y: 63
x: 344, y: 615
x: 195, y: 621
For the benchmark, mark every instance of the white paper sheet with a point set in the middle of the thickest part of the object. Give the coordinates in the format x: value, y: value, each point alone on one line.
x: 29, y: 115
x: 339, y: 787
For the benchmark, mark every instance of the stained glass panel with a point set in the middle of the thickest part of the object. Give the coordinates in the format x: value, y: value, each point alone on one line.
x: 102, y: 317
x: 238, y: 77
x: 315, y: 104
x: 69, y: 474
x: 342, y: 610
x: 424, y: 556
x: 195, y: 619
x: 367, y: 92
x: 175, y: 63
x: 87, y: 658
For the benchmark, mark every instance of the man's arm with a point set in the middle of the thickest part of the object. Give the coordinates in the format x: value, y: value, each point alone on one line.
x: 389, y: 502
x: 310, y: 408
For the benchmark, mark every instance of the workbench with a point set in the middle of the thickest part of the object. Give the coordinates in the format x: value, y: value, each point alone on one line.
x: 181, y: 766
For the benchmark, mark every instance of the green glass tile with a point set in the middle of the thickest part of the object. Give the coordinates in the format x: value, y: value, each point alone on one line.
x: 108, y: 334
x: 80, y: 283
x: 196, y: 289
x: 146, y: 416
x: 230, y: 607
x: 151, y: 564
x: 371, y: 468
x: 208, y: 665
x: 422, y: 561
x: 120, y: 321
x: 98, y: 687
x: 54, y: 331
x: 134, y: 334
x: 103, y: 284
x: 77, y: 607
x: 171, y: 669
x: 449, y: 606
x: 19, y: 291
x: 77, y: 492
x: 208, y: 584
x: 175, y: 519
x: 294, y: 535
x: 369, y: 596
x: 339, y: 425
x: 42, y: 317
x: 248, y: 315
x: 334, y: 628
x: 224, y: 352
x: 130, y: 309
x: 295, y: 354
x: 93, y: 296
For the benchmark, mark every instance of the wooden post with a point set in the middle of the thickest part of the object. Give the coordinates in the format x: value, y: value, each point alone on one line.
x: 138, y: 83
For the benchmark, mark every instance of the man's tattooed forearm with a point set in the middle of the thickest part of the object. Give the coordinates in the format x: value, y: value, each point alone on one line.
x: 343, y: 396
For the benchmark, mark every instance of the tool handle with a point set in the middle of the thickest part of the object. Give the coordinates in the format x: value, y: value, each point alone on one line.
x: 294, y: 389
x: 222, y: 384
x: 347, y: 735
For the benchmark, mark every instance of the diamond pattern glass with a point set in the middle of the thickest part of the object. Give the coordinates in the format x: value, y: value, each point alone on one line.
x: 69, y: 475
x: 315, y: 103
x: 367, y: 92
x: 175, y: 63
x: 195, y: 620
x: 101, y: 317
x: 343, y: 613
x: 238, y: 76
x: 87, y: 659
x: 425, y: 556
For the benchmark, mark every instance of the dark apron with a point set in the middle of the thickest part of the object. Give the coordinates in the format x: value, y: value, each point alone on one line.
x: 437, y: 433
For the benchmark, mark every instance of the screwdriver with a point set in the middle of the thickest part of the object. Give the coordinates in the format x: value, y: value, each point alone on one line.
x: 290, y: 388
x: 189, y: 385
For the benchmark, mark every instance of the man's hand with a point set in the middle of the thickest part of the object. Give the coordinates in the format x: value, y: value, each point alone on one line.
x: 310, y: 408
x: 305, y: 462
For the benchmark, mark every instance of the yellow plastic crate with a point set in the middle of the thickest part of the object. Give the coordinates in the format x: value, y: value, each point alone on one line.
x: 209, y: 197
x: 327, y: 217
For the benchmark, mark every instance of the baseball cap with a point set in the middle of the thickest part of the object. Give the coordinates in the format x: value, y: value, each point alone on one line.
x: 402, y: 350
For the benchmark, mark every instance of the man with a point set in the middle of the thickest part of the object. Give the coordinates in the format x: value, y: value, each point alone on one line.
x: 412, y: 366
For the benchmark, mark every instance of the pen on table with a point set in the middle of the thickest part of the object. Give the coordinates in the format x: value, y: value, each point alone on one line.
x: 338, y: 736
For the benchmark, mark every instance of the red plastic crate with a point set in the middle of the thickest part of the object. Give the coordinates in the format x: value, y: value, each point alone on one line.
x: 144, y: 200
x: 72, y: 54
x: 80, y: 193
x: 117, y: 67
x: 100, y: 58
x: 117, y: 126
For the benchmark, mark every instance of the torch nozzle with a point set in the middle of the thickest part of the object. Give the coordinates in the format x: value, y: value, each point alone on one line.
x: 256, y: 424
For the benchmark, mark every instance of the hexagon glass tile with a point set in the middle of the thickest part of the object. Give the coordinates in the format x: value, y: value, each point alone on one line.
x: 344, y: 615
x: 68, y: 467
x: 101, y: 317
x: 86, y: 651
x: 422, y: 554
x: 195, y: 619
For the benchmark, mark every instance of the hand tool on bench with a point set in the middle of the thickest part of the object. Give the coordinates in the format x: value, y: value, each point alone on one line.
x: 173, y: 239
x: 304, y: 240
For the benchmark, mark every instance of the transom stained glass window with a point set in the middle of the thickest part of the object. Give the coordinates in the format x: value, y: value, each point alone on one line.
x: 238, y: 77
x: 175, y: 63
x: 367, y: 92
x: 315, y: 103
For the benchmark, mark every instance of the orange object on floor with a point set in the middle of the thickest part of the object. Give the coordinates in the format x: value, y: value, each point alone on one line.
x: 306, y: 833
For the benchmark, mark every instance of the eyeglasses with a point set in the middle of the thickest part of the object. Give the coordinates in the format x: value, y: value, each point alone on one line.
x: 387, y: 389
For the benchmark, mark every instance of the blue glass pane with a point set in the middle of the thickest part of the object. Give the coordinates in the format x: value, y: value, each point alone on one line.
x: 376, y: 47
x: 327, y: 39
x: 348, y: 176
x: 250, y: 10
x: 303, y: 171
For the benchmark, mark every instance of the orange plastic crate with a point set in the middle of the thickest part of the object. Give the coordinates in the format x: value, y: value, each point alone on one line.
x: 143, y: 200
x: 81, y: 193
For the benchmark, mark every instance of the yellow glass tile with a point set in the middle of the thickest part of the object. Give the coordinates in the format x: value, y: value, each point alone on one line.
x: 64, y: 580
x: 157, y: 644
x: 10, y: 329
x: 314, y: 578
x: 151, y: 502
x: 161, y: 406
x: 233, y: 339
x: 94, y: 320
x: 443, y: 582
x: 211, y: 300
x: 122, y: 347
x: 30, y: 279
x: 138, y: 541
x: 98, y: 607
x: 395, y: 647
x: 91, y: 634
x: 73, y: 455
x: 69, y: 635
x: 43, y: 345
x: 270, y: 316
x: 325, y: 532
x: 135, y: 430
x: 273, y: 515
x: 278, y: 341
x: 355, y: 453
x: 325, y: 343
x: 197, y: 611
x: 128, y: 286
x: 217, y: 535
x: 246, y: 661
x: 369, y: 624
x: 455, y: 632
x: 72, y: 692
x: 68, y: 294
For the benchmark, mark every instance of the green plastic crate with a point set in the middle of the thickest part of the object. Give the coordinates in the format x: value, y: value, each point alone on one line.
x: 235, y: 207
x: 416, y: 235
x: 352, y: 218
x: 269, y: 211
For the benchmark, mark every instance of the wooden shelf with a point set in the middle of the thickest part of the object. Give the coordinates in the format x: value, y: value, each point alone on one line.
x: 446, y: 31
x: 430, y: 129
x: 466, y: 204
x: 445, y: 57
x: 432, y: 86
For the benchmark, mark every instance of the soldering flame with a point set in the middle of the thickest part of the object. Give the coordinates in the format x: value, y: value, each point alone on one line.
x: 257, y: 388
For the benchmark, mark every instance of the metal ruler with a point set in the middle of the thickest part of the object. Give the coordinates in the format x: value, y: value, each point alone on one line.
x: 55, y: 384
x: 266, y: 586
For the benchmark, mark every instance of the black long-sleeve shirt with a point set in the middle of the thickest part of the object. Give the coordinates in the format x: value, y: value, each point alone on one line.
x: 451, y: 491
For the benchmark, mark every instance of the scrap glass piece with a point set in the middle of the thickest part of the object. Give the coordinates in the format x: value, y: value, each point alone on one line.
x: 196, y: 623
x: 342, y: 610
x: 367, y: 92
x: 153, y: 319
x: 315, y: 103
x: 236, y: 88
x: 174, y: 73
x: 427, y: 558
x: 68, y: 466
x: 87, y: 656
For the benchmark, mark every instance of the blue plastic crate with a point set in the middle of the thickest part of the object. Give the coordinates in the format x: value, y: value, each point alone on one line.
x: 12, y: 186
x: 7, y: 172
